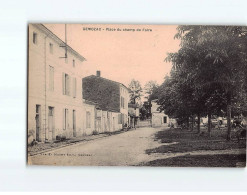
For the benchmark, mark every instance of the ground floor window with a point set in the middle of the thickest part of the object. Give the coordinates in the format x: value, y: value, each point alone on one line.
x: 38, y: 122
x: 65, y: 118
x: 88, y: 119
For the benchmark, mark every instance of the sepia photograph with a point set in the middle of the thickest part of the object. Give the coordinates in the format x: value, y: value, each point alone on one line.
x: 136, y: 95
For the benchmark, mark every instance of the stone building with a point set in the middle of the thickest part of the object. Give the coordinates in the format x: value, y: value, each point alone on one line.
x: 55, y: 104
x: 112, y: 98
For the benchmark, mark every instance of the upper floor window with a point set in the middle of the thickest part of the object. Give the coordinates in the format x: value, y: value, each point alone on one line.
x: 74, y: 87
x: 73, y: 63
x: 51, y: 48
x: 66, y: 84
x: 35, y: 37
x: 122, y: 102
x: 51, y: 78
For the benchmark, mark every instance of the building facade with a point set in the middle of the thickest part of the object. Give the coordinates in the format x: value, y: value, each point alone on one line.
x: 134, y: 115
x: 111, y: 97
x: 55, y: 104
x: 158, y: 118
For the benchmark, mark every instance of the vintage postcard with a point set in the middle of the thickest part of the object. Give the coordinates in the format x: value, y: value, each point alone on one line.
x: 137, y: 95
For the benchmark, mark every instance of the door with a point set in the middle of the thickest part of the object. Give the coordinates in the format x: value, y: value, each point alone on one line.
x: 165, y: 119
x: 98, y: 125
x: 51, y: 128
x: 74, y: 123
x: 113, y: 124
x: 38, y: 122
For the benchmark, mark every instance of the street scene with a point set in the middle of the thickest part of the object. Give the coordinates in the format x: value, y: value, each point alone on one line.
x: 137, y: 95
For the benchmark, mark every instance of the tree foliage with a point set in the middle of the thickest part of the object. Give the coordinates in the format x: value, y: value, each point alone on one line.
x: 135, y: 91
x: 209, y: 73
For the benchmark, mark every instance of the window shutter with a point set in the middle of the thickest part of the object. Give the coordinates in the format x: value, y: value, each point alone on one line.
x: 67, y: 118
x: 68, y: 85
x: 64, y: 122
x: 63, y: 83
x: 75, y: 86
x: 52, y: 78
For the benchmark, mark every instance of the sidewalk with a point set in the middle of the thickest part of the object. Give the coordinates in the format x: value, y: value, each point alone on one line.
x: 46, y: 147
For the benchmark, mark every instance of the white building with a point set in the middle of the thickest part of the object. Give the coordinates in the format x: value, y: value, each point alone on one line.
x: 55, y: 105
x: 158, y: 118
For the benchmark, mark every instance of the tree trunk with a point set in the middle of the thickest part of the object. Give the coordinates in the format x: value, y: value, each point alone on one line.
x: 192, y: 126
x: 229, y: 110
x: 188, y: 123
x: 198, y: 123
x: 209, y: 123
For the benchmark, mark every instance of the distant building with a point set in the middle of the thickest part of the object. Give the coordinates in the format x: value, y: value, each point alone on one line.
x: 134, y: 115
x: 55, y: 105
x: 112, y: 99
x: 158, y: 118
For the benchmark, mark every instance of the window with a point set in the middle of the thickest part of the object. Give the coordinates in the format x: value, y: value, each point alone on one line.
x: 51, y: 78
x: 50, y: 111
x: 66, y: 84
x: 65, y: 119
x: 122, y: 102
x: 51, y: 48
x: 165, y: 119
x: 74, y: 87
x: 35, y: 37
x: 120, y: 118
x: 88, y: 119
x: 73, y: 63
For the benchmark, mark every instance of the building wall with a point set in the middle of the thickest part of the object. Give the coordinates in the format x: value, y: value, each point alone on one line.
x: 154, y: 107
x: 124, y: 94
x: 158, y: 117
x: 41, y: 93
x: 91, y: 109
x: 102, y: 91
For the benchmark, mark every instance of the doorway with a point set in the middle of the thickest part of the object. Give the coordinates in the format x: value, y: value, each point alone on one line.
x: 165, y: 119
x: 74, y: 123
x: 51, y: 126
x: 38, y: 122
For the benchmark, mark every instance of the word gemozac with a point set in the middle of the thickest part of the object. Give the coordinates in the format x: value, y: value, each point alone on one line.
x: 114, y: 29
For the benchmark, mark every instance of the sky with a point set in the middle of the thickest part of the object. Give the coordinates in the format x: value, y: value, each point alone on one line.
x: 122, y: 55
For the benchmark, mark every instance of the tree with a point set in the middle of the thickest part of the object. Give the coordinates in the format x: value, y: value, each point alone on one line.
x: 144, y: 111
x: 135, y: 91
x: 150, y: 87
x: 212, y: 61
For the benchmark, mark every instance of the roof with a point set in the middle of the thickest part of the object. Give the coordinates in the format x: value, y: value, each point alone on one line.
x: 106, y: 80
x: 97, y: 106
x: 56, y: 38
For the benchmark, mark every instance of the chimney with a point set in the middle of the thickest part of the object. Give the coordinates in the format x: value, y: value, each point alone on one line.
x: 98, y: 73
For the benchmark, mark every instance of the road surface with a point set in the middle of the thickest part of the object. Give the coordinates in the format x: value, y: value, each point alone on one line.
x: 123, y: 149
